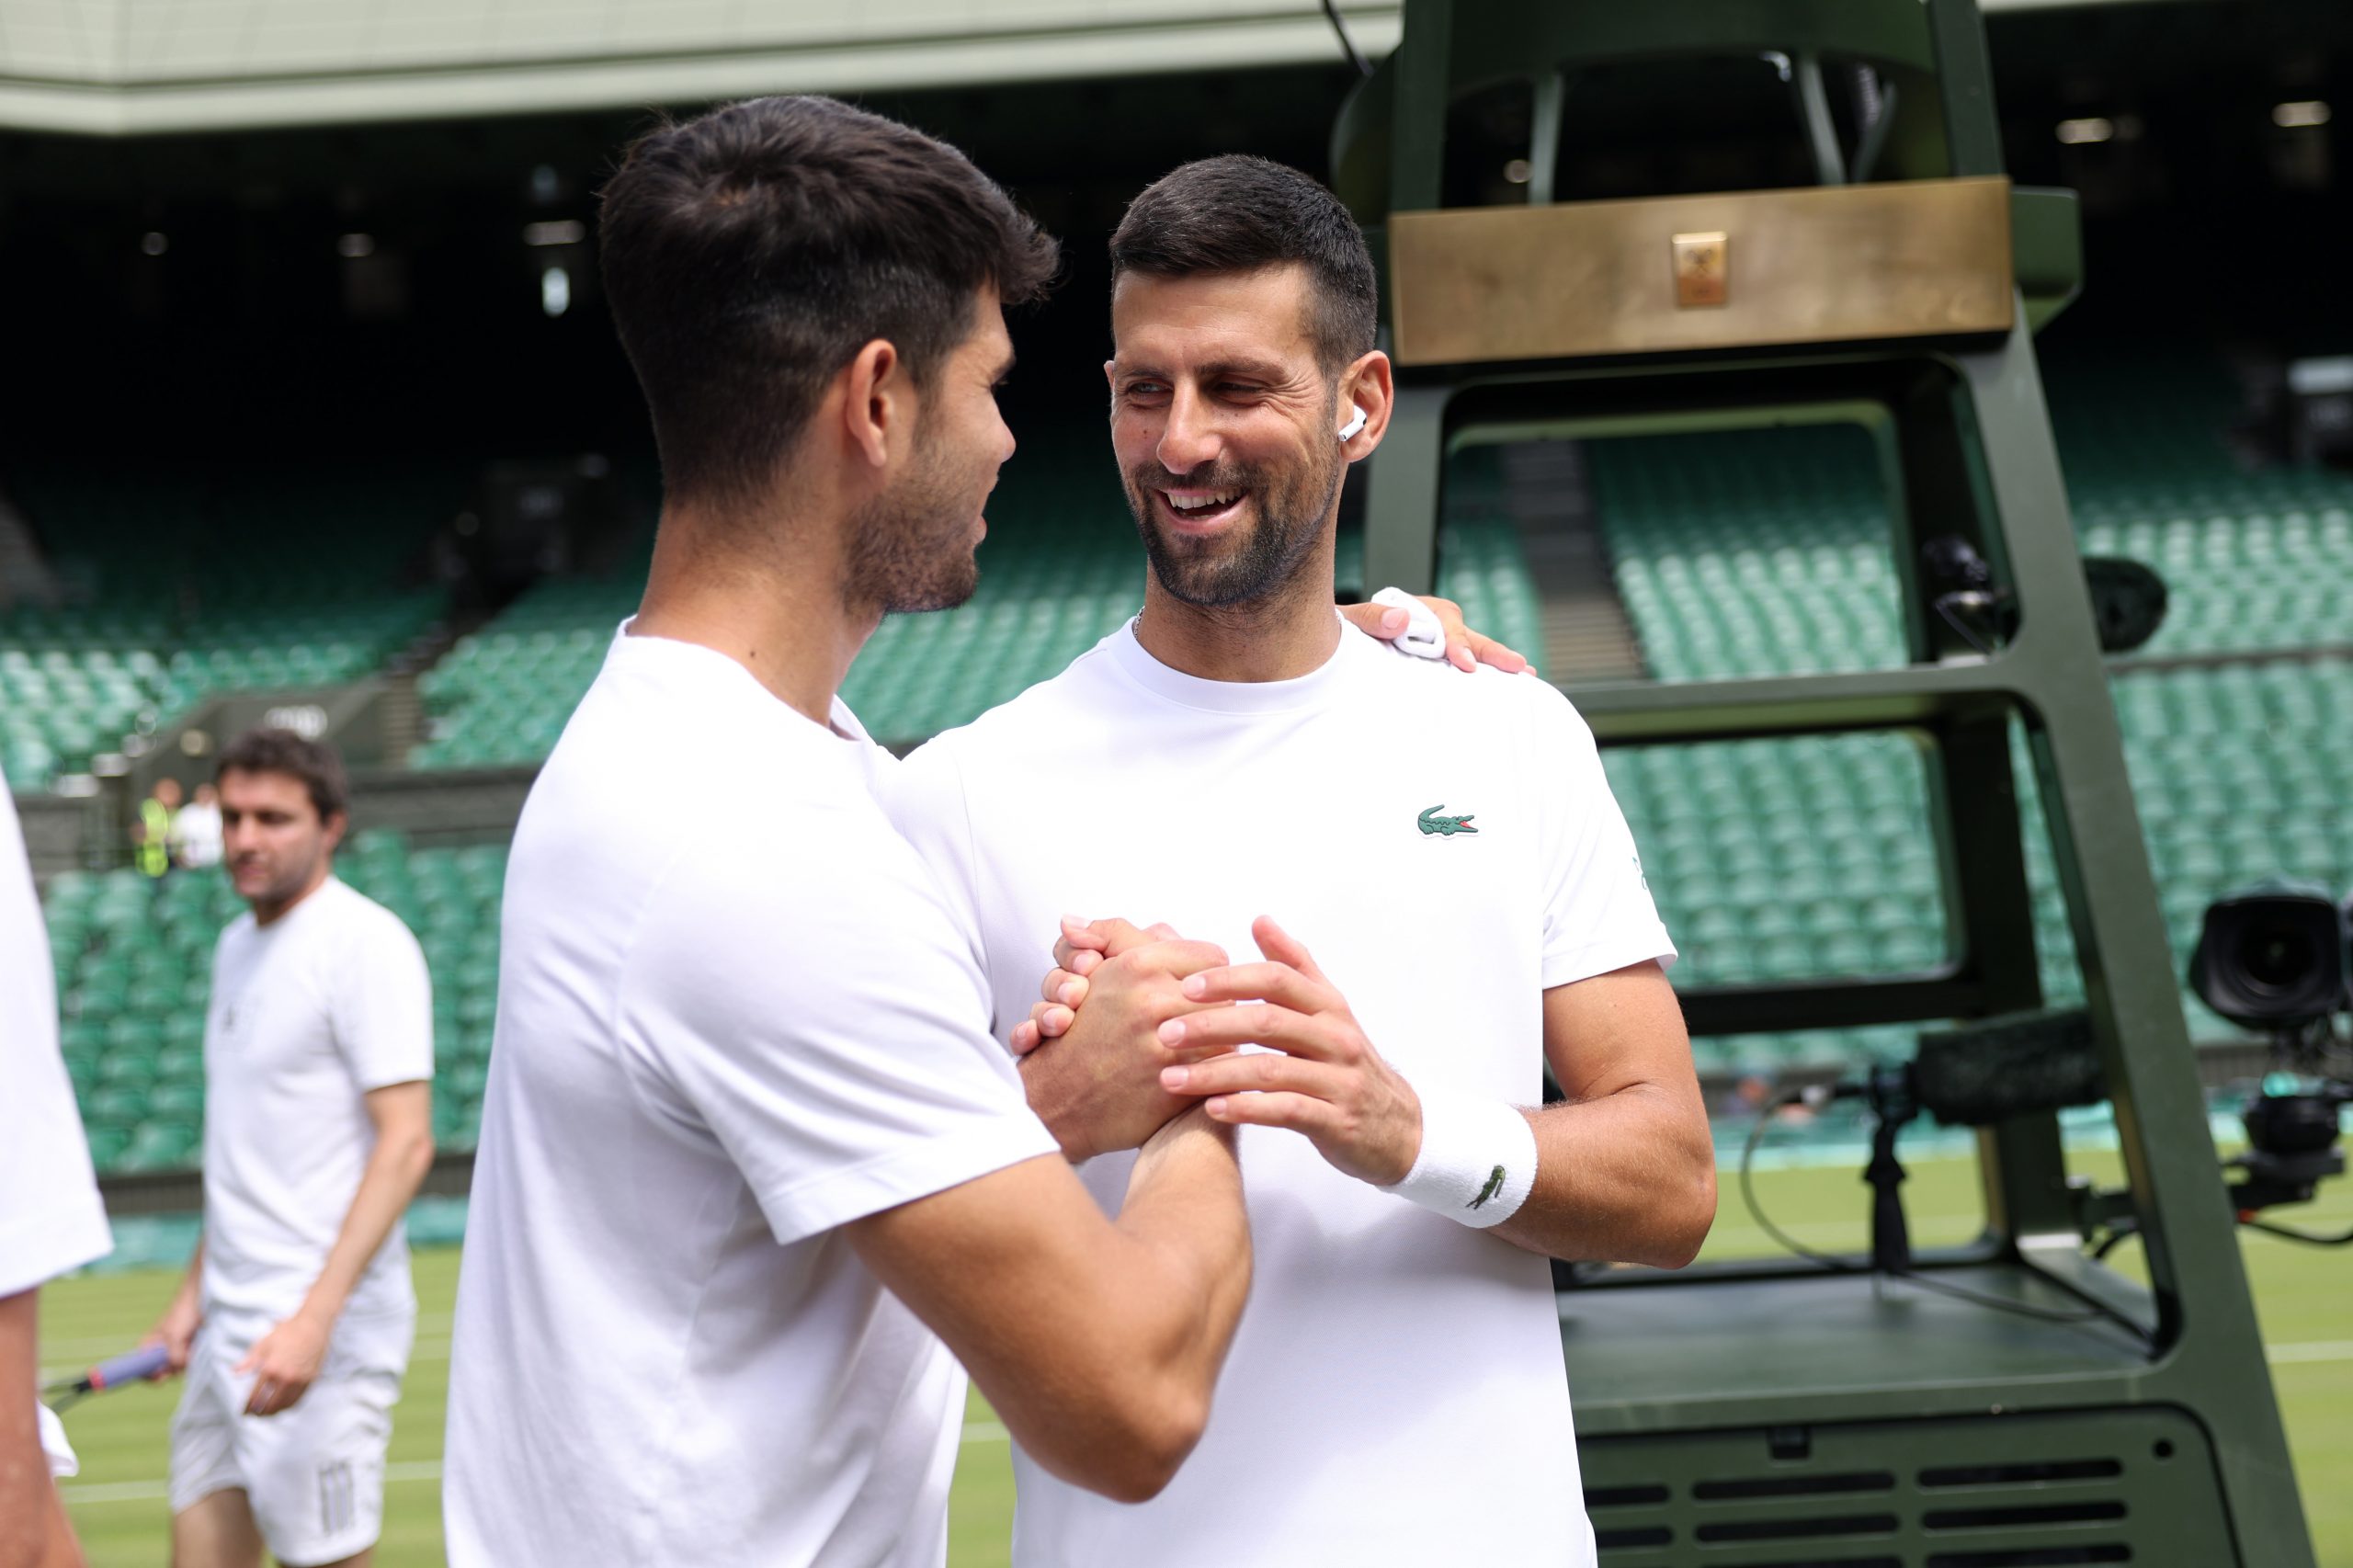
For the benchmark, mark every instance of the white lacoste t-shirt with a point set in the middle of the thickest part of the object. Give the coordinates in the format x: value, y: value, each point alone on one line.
x: 1396, y: 1394
x: 308, y: 1013
x: 733, y: 1015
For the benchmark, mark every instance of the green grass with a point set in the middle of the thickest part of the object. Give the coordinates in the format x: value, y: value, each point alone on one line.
x: 116, y: 1502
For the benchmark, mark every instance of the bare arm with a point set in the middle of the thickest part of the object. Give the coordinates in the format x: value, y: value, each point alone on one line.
x: 1625, y: 1169
x: 287, y: 1359
x: 1097, y: 1341
x: 33, y: 1529
x: 176, y: 1330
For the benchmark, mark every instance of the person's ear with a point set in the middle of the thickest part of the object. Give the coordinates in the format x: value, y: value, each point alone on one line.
x: 1368, y: 386
x: 332, y: 829
x: 878, y: 407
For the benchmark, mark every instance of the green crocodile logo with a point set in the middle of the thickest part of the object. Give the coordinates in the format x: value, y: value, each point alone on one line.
x: 1494, y: 1185
x: 1446, y: 827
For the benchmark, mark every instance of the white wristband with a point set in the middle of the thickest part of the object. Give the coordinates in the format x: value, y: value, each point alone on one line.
x: 1478, y: 1160
x: 1423, y: 637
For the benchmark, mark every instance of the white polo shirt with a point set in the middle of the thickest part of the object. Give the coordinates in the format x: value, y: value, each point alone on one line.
x: 50, y: 1218
x: 1396, y: 1394
x: 733, y: 1016
x: 308, y: 1013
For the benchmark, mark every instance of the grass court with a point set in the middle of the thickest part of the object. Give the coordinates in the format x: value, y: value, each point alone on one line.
x: 2304, y: 1294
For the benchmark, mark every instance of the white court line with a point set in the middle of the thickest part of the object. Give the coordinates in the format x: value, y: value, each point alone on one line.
x: 2316, y: 1350
x: 420, y: 1470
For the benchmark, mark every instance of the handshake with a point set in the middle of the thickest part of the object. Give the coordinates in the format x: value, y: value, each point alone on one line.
x: 1138, y: 1025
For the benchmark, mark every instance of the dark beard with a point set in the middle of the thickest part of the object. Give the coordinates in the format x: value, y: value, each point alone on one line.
x: 910, y: 547
x: 1266, y: 560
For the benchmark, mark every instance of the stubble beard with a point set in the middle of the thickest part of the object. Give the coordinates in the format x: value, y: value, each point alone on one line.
x: 1213, y: 574
x: 910, y: 548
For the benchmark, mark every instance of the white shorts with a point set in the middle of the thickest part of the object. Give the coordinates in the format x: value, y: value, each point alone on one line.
x: 314, y: 1474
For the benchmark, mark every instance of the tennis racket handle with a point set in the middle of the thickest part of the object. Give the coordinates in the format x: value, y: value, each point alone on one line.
x: 129, y: 1367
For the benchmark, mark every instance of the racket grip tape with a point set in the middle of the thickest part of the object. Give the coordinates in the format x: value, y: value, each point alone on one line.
x: 131, y: 1366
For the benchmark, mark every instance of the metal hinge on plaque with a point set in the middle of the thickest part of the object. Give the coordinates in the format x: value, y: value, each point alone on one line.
x: 1703, y: 270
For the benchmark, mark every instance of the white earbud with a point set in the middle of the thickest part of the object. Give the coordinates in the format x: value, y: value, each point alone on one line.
x: 1354, y: 423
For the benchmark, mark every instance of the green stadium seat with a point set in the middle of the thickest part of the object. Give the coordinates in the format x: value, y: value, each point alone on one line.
x: 77, y: 679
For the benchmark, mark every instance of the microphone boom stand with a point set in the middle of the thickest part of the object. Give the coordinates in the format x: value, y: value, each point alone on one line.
x: 1894, y: 1106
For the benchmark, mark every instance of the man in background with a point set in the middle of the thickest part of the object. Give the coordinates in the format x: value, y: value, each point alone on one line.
x: 150, y: 835
x: 294, y: 1321
x: 50, y: 1218
x: 196, y: 831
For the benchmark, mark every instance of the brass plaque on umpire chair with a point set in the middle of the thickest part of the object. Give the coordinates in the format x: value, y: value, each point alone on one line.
x: 1703, y: 270
x: 1916, y: 258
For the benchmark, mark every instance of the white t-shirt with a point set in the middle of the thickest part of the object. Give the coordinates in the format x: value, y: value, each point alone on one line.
x: 308, y: 1013
x: 733, y: 1016
x: 50, y: 1218
x: 1396, y: 1394
x: 195, y: 835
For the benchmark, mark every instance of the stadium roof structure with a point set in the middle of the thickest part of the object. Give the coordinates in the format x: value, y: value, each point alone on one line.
x: 133, y: 67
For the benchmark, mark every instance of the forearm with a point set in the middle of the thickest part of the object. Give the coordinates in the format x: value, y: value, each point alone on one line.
x: 1184, y: 1218
x: 396, y: 1168
x: 24, y: 1473
x: 1143, y: 1324
x: 1626, y: 1178
x: 190, y: 1293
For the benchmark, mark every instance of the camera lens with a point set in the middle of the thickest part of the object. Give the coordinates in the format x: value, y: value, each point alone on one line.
x: 2276, y: 958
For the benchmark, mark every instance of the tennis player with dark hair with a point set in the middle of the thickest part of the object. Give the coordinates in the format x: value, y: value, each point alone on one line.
x: 1449, y: 850
x: 749, y: 1153
x: 294, y: 1321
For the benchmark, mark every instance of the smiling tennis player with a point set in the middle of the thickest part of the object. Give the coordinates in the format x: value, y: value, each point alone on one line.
x: 1447, y: 848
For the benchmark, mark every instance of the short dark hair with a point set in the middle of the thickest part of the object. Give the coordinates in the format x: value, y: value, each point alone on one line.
x: 1238, y: 213
x: 749, y: 253
x: 268, y: 750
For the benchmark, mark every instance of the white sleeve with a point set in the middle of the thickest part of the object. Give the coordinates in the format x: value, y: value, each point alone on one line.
x: 925, y: 800
x: 50, y: 1218
x: 1597, y: 911
x: 819, y: 1013
x: 382, y: 1005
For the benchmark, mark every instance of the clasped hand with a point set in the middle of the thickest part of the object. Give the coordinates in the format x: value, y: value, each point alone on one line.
x: 1099, y: 1088
x: 1319, y: 1075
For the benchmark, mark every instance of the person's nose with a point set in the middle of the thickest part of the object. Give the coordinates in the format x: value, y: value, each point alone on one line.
x: 1189, y: 438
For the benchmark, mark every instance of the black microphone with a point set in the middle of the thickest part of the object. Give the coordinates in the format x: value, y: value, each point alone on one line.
x: 1993, y: 1069
x: 1981, y: 1072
